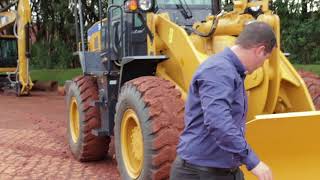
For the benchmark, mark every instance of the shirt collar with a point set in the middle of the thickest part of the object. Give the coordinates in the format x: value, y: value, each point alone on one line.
x: 233, y: 58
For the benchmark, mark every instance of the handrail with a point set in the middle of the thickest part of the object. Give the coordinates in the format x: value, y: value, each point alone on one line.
x: 109, y: 12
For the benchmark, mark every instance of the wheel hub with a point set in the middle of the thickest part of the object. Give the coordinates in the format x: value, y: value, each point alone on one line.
x: 132, y: 143
x: 74, y: 120
x: 136, y: 143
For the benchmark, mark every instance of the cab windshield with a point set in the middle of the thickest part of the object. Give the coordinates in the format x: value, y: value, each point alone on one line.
x: 186, y: 12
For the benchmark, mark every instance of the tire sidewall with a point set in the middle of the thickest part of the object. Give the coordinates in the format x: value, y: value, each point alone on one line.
x: 76, y: 148
x: 130, y: 98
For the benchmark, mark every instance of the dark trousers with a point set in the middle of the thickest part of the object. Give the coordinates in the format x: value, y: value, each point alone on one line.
x: 181, y: 170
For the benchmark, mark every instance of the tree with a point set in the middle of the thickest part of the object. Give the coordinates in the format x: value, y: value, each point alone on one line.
x: 54, y: 24
x: 300, y: 32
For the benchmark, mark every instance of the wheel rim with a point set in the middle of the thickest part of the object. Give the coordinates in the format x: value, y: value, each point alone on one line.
x: 132, y: 143
x: 74, y: 120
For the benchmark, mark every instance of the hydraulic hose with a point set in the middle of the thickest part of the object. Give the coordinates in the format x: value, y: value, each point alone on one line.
x: 212, y: 29
x: 8, y: 6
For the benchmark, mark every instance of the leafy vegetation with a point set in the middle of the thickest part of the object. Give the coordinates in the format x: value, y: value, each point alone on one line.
x: 54, y: 26
x: 54, y: 55
x: 300, y: 32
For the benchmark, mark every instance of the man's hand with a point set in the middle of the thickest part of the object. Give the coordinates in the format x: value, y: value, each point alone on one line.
x: 262, y: 171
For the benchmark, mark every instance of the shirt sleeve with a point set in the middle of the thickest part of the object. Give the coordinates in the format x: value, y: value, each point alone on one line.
x: 215, y: 91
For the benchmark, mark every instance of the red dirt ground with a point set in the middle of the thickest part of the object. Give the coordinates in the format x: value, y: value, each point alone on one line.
x: 312, y: 81
x: 33, y: 142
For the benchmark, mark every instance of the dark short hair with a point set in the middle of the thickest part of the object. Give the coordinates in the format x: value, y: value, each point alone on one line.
x: 255, y: 34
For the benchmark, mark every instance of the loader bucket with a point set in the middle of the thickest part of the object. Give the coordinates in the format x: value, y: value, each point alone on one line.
x: 288, y: 143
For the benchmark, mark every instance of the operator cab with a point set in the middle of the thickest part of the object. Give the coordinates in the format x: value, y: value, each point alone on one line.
x: 8, y: 60
x: 124, y: 32
x: 8, y: 52
x: 181, y: 12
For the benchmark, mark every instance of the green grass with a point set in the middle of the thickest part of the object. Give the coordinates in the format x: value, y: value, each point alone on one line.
x: 55, y: 75
x: 309, y: 67
x: 67, y: 74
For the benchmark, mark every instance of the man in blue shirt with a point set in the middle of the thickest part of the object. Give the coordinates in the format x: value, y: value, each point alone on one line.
x: 213, y: 144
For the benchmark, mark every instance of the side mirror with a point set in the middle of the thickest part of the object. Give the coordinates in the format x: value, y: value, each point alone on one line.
x: 139, y: 5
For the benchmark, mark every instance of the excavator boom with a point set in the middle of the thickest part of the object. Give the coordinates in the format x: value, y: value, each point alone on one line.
x: 15, y: 19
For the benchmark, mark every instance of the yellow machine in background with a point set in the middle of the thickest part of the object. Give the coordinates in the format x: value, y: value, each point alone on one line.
x: 137, y: 70
x: 15, y: 19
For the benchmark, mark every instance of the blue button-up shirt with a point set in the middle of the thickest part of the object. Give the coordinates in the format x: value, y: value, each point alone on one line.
x: 215, y: 115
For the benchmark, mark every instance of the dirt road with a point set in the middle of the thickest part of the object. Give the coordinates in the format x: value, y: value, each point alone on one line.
x: 33, y: 143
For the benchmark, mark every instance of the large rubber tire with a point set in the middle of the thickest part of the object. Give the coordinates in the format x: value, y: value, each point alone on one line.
x: 313, y: 83
x: 160, y: 111
x: 87, y: 147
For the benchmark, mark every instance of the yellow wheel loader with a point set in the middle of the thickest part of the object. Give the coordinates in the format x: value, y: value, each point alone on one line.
x: 15, y: 20
x: 138, y: 61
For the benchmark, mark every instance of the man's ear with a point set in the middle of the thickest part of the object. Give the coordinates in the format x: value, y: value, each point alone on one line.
x: 261, y: 50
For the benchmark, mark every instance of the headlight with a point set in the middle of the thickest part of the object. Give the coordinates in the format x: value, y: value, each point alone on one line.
x: 254, y: 8
x: 146, y: 5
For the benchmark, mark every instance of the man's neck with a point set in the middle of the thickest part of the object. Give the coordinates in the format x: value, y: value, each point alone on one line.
x: 242, y: 54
